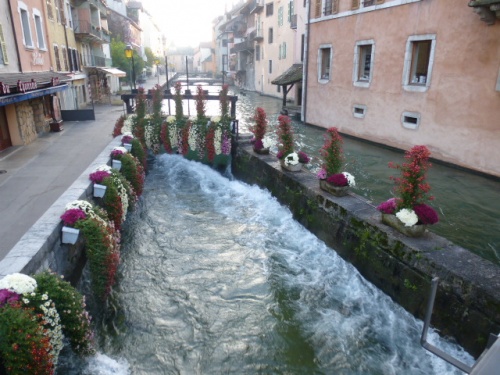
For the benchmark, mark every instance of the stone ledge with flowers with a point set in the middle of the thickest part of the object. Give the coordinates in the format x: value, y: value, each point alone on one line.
x: 289, y: 159
x: 351, y: 226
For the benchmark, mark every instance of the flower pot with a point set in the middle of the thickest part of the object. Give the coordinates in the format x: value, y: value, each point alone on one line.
x: 116, y: 164
x: 128, y: 146
x: 261, y: 151
x: 413, y: 231
x: 69, y: 235
x: 99, y: 190
x: 338, y: 191
x: 291, y: 168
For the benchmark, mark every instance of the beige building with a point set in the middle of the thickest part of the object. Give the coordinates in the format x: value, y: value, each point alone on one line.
x: 407, y: 72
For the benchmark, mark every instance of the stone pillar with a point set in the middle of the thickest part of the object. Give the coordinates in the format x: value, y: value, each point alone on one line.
x: 25, y: 119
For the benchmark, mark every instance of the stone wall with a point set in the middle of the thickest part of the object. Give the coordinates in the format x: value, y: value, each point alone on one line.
x: 26, y: 122
x: 42, y: 125
x: 467, y: 305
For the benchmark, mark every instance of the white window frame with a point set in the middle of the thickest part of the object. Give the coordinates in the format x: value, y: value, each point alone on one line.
x: 359, y: 110
x: 321, y: 77
x: 410, y: 125
x: 40, y: 36
x: 406, y: 82
x: 69, y: 15
x: 355, y: 72
x: 23, y: 7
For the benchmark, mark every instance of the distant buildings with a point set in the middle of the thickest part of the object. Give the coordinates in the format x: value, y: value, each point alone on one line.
x: 395, y: 72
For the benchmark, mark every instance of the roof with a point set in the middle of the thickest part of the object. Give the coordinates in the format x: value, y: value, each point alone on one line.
x: 41, y: 78
x: 292, y: 75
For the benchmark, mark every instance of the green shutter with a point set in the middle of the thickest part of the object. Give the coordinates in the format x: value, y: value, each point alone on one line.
x: 4, y: 47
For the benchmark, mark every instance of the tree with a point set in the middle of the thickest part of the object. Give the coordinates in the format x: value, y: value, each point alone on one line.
x: 150, y: 56
x: 123, y: 63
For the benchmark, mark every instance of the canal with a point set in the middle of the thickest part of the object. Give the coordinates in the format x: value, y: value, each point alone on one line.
x: 217, y: 277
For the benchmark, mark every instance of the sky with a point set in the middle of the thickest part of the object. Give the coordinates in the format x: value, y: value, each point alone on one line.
x: 186, y: 22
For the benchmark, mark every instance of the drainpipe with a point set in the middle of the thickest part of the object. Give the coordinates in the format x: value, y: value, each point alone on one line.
x: 17, y: 44
x: 306, y: 65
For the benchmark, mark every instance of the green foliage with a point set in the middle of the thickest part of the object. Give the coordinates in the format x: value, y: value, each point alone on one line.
x: 133, y: 173
x: 333, y: 155
x: 70, y: 305
x: 112, y: 202
x: 23, y: 346
x: 139, y: 152
x: 122, y: 62
x: 151, y: 58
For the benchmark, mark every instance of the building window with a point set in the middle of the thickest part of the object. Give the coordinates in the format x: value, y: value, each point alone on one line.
x: 69, y: 15
x: 283, y: 51
x: 302, y: 46
x: 359, y: 111
x: 39, y: 30
x: 280, y: 16
x: 410, y: 120
x: 290, y: 11
x: 419, y: 59
x: 270, y: 66
x: 257, y: 52
x: 269, y: 9
x: 331, y: 7
x: 25, y: 23
x: 65, y: 59
x: 58, y: 13
x: 58, y: 60
x: 50, y: 10
x: 317, y: 8
x: 324, y: 63
x: 364, y: 54
x: 4, y: 59
x: 270, y: 35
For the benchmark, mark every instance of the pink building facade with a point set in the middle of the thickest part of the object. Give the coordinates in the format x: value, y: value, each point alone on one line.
x: 407, y: 72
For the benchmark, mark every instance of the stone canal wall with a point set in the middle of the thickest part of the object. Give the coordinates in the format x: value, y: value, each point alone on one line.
x: 467, y: 305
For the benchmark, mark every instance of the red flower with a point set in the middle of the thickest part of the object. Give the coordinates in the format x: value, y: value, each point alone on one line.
x: 71, y: 216
x: 338, y: 179
x: 426, y: 214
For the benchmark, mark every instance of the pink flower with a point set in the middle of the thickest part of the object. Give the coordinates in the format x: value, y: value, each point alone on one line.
x: 426, y: 214
x: 97, y: 176
x: 127, y: 139
x: 258, y: 145
x: 116, y: 153
x: 303, y: 157
x: 388, y: 207
x: 338, y: 179
x: 71, y: 216
x: 280, y: 154
x: 321, y: 174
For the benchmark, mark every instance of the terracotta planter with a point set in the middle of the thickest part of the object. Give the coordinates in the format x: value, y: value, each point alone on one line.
x: 261, y: 151
x: 394, y: 222
x: 291, y: 168
x: 69, y: 235
x: 338, y: 191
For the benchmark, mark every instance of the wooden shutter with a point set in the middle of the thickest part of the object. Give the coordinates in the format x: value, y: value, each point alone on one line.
x: 4, y: 47
x: 335, y: 6
x: 379, y: 1
x: 355, y: 4
x: 317, y: 9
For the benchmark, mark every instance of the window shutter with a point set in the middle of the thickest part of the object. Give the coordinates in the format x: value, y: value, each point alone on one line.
x: 335, y: 6
x: 284, y: 50
x: 317, y: 9
x: 3, y: 46
x: 379, y: 1
x: 355, y: 4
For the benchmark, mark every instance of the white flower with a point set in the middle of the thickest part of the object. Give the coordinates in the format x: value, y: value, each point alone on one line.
x: 267, y: 142
x: 218, y: 141
x: 292, y: 159
x: 104, y: 168
x: 120, y: 148
x: 350, y: 179
x: 171, y: 119
x: 216, y: 119
x: 19, y: 283
x: 45, y: 297
x: 192, y: 138
x: 82, y: 205
x: 127, y: 134
x: 407, y: 217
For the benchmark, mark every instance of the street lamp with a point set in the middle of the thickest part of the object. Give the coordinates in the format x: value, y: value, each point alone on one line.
x: 129, y: 53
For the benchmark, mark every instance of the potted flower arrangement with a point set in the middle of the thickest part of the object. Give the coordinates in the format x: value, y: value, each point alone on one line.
x: 127, y: 141
x: 289, y: 159
x: 261, y: 145
x: 331, y: 179
x: 115, y: 153
x: 408, y: 211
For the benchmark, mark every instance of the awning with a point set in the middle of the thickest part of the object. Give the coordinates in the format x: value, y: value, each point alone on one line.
x: 292, y: 75
x: 114, y: 72
x: 21, y: 97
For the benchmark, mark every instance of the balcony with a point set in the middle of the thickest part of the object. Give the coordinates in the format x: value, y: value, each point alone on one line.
x: 95, y: 60
x: 257, y: 35
x: 246, y: 46
x: 488, y: 10
x: 87, y: 32
x: 293, y: 22
x: 257, y: 6
x: 99, y: 5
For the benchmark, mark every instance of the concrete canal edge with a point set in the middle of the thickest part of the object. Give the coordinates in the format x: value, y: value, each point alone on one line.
x: 40, y: 248
x: 467, y: 305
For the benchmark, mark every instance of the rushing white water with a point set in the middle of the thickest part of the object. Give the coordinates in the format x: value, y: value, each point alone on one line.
x: 217, y: 278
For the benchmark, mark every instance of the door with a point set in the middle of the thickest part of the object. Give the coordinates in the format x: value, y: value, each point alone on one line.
x: 5, y: 141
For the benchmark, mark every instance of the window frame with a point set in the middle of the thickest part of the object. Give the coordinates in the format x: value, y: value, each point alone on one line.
x: 57, y: 57
x: 357, y: 61
x: 40, y: 35
x: 3, y: 47
x: 321, y: 77
x: 270, y: 35
x: 407, y: 83
x: 269, y: 9
x: 22, y: 7
x: 270, y: 66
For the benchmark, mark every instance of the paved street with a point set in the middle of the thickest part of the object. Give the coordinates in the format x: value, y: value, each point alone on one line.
x: 37, y: 174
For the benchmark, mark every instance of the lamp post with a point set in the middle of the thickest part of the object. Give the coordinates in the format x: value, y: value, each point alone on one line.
x: 129, y: 53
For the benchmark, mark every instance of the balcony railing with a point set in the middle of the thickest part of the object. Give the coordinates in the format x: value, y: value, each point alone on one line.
x: 257, y: 35
x: 247, y: 45
x: 86, y: 31
x: 257, y: 6
x: 95, y: 60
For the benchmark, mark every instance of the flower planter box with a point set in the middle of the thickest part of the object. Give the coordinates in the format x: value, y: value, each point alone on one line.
x: 291, y: 168
x: 99, y: 190
x: 338, y: 191
x: 394, y: 222
x: 128, y: 146
x: 69, y: 235
x: 116, y: 164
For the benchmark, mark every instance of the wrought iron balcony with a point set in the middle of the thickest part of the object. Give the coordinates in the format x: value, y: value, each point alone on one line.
x: 257, y: 6
x: 95, y: 60
x: 257, y: 35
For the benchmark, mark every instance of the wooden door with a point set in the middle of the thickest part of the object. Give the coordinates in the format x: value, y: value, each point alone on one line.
x: 5, y: 141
